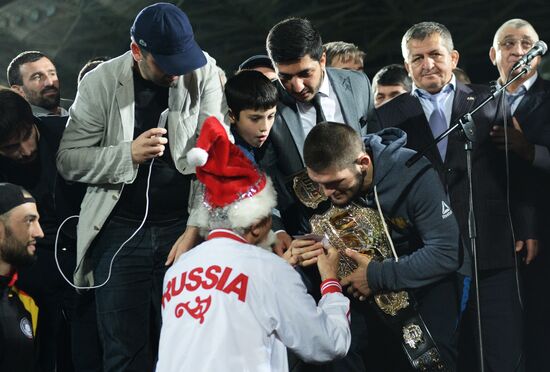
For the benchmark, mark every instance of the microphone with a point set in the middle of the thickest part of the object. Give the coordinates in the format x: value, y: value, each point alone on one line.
x: 538, y: 49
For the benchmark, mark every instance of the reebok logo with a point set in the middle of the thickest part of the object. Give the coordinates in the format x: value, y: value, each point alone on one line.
x: 445, y: 210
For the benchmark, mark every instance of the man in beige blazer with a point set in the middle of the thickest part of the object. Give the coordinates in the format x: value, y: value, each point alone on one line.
x: 133, y: 120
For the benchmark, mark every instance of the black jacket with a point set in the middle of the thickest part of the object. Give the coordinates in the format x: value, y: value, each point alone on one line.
x: 495, y: 242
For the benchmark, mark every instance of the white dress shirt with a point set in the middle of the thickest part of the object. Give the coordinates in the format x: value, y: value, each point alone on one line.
x: 329, y: 102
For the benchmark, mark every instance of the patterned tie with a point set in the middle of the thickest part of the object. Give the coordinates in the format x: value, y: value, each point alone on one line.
x: 513, y: 98
x: 319, y: 114
x: 437, y: 121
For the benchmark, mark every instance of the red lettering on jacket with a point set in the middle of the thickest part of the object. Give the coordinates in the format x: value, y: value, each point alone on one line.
x: 166, y: 296
x: 238, y: 286
x: 194, y: 276
x: 211, y: 274
x: 214, y: 277
x: 177, y: 291
x: 223, y: 279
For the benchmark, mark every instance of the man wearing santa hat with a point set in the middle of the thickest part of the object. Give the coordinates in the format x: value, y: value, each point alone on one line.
x: 228, y: 304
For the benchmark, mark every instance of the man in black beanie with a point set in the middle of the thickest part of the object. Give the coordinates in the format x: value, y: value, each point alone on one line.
x: 19, y: 229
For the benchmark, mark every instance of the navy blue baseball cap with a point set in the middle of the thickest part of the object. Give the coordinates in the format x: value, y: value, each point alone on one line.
x: 164, y: 30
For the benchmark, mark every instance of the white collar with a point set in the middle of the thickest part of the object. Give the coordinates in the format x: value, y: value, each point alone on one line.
x: 415, y: 90
x: 225, y: 233
x: 324, y: 89
x: 527, y: 83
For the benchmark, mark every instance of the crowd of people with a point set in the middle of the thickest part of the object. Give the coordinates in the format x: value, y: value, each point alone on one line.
x: 162, y: 220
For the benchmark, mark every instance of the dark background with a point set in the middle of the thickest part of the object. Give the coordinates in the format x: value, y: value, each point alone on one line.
x: 72, y: 31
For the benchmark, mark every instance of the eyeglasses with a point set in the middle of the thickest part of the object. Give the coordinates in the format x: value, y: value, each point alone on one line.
x: 509, y: 44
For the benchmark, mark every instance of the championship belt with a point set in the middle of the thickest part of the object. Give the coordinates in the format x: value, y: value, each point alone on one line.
x: 309, y: 192
x: 360, y: 228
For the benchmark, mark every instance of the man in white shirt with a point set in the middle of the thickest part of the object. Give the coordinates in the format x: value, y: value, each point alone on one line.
x: 228, y: 304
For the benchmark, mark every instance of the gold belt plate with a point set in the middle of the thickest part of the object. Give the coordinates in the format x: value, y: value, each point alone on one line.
x: 309, y: 192
x: 359, y: 228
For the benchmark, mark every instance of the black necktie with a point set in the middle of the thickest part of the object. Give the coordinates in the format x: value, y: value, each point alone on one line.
x: 319, y: 114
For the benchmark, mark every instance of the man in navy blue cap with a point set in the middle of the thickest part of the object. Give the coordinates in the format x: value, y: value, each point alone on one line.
x: 132, y: 123
x: 163, y: 31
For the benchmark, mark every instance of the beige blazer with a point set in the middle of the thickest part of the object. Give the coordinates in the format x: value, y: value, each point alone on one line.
x: 96, y: 145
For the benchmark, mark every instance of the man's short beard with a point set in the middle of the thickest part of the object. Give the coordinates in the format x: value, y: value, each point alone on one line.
x: 359, y: 180
x: 15, y: 252
x: 269, y: 241
x: 48, y: 103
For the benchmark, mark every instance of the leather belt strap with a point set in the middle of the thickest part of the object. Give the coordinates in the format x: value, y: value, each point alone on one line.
x: 416, y: 339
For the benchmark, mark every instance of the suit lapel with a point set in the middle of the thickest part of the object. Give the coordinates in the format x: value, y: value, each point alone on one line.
x: 125, y: 101
x: 179, y: 106
x: 289, y: 112
x: 463, y: 101
x: 531, y: 101
x: 344, y: 93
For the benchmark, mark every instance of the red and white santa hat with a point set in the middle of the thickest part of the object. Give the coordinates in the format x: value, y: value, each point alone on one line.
x: 237, y: 194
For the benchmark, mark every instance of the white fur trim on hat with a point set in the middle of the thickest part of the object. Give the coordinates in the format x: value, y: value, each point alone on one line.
x: 239, y: 215
x: 201, y: 218
x: 197, y: 157
x: 246, y: 212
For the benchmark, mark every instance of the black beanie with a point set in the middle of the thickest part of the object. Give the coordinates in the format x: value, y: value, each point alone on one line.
x: 12, y: 196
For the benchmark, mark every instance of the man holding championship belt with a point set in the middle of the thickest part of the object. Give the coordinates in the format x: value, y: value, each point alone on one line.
x: 413, y: 283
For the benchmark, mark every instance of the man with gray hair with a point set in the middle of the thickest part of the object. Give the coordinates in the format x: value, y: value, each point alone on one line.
x: 437, y: 100
x: 528, y: 105
x: 258, y: 306
x: 528, y: 137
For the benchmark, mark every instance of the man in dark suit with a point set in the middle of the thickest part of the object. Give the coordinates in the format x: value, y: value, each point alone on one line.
x: 528, y: 104
x: 527, y: 98
x: 309, y: 93
x: 438, y: 99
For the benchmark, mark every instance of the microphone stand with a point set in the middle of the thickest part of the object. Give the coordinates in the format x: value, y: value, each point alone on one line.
x: 466, y: 126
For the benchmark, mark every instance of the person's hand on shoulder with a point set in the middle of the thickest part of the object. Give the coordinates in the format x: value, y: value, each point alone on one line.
x: 185, y: 242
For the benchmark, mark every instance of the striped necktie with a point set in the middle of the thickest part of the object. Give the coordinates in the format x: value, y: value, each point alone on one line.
x: 514, y: 98
x: 437, y: 120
